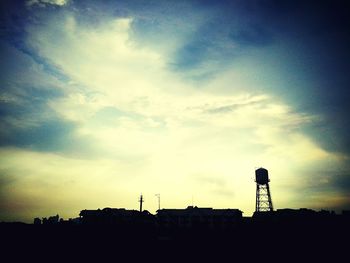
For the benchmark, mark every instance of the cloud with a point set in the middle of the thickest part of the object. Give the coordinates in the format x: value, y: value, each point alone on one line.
x: 43, y: 3
x: 26, y: 121
x: 121, y: 74
x: 252, y: 36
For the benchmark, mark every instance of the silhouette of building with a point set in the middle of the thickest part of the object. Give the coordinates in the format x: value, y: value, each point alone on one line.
x: 116, y: 216
x: 194, y: 216
x: 37, y: 221
x: 346, y: 213
x: 301, y: 215
x: 294, y: 213
x: 75, y: 221
x: 51, y: 220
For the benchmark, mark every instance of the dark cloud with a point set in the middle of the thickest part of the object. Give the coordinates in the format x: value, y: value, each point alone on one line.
x: 221, y: 39
x: 27, y: 84
x: 342, y: 181
x: 13, y: 18
x: 29, y: 123
x: 254, y: 35
x: 315, y: 39
x: 192, y: 55
x: 323, y: 41
x: 327, y: 177
x: 51, y: 135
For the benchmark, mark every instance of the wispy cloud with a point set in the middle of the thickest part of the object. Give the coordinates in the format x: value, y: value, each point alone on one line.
x: 43, y: 3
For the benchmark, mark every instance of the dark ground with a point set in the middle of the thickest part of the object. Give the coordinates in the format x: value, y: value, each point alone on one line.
x: 263, y: 240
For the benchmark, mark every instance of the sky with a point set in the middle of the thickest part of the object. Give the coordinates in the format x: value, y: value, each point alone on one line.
x: 101, y: 101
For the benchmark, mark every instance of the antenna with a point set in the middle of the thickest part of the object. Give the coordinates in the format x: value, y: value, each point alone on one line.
x: 158, y: 195
x: 141, y: 201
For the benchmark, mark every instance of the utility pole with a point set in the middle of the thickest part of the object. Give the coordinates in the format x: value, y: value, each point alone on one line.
x: 141, y: 201
x: 158, y: 195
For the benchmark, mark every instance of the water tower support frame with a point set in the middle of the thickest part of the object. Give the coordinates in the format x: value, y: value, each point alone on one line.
x: 263, y: 198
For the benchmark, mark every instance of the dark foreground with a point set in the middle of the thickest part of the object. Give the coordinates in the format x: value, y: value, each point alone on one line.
x: 265, y: 240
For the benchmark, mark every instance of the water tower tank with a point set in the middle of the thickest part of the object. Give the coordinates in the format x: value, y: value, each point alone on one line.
x: 261, y: 176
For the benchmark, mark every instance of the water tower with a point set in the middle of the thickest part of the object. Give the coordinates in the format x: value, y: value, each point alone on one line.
x: 263, y: 195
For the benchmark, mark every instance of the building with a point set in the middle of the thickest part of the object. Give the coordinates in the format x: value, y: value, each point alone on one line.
x: 51, y: 220
x: 298, y: 216
x: 37, y: 221
x: 192, y: 217
x: 116, y: 216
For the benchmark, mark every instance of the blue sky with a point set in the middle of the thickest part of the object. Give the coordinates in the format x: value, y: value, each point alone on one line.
x: 103, y: 100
